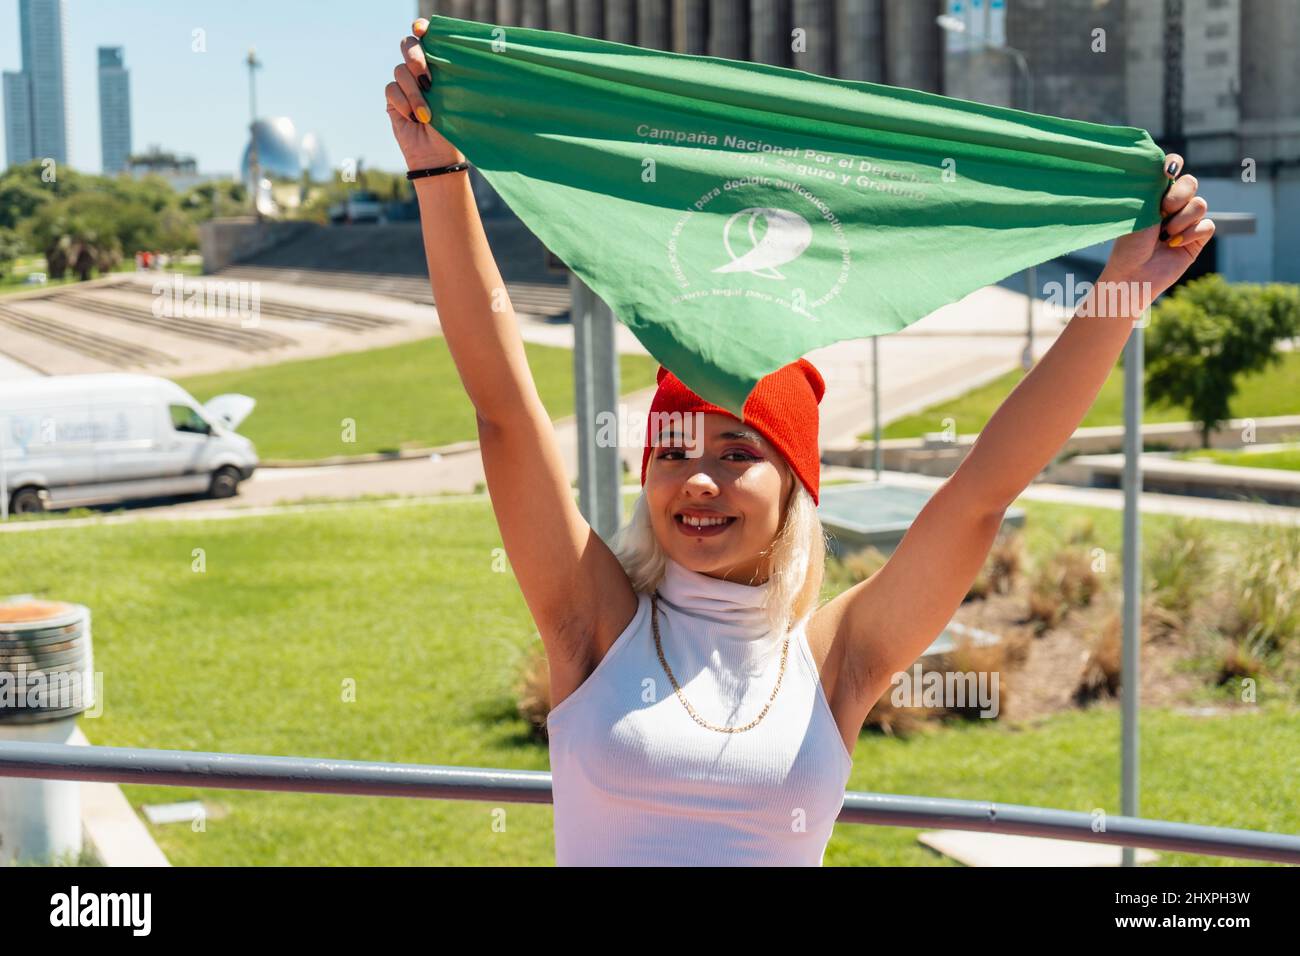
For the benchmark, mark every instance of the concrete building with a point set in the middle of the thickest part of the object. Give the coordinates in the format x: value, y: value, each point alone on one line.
x: 18, y: 118
x: 35, y: 98
x: 180, y: 172
x: 1215, y: 80
x: 114, y: 110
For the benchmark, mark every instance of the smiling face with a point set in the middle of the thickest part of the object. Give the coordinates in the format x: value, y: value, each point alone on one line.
x: 734, y: 483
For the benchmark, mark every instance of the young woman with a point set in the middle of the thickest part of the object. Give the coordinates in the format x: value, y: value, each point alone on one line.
x: 704, y: 708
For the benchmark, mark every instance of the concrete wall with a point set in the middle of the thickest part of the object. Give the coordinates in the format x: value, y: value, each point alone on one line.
x: 226, y: 241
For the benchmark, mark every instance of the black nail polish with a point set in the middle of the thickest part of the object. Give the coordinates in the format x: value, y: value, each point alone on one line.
x: 424, y: 81
x: 1172, y: 168
x: 1163, y: 235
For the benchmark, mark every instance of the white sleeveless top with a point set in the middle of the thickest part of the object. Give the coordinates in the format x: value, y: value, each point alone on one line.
x: 637, y: 782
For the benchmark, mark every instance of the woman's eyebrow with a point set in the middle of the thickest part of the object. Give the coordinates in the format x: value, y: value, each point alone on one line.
x: 723, y: 436
x: 746, y: 436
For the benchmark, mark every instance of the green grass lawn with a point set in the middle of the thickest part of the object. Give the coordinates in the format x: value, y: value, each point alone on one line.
x: 402, y: 396
x: 1287, y: 459
x: 257, y: 654
x: 1275, y: 391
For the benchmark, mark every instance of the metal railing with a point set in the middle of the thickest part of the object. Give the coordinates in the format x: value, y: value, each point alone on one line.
x: 362, y: 778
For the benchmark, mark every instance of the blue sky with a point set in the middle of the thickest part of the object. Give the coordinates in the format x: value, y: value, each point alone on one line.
x: 325, y: 65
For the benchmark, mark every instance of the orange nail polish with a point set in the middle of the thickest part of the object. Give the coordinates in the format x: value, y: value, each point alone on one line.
x: 423, y: 114
x: 1175, y: 241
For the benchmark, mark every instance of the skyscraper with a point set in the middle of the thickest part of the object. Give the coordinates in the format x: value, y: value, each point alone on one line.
x: 114, y: 110
x: 35, y: 99
x: 18, y: 118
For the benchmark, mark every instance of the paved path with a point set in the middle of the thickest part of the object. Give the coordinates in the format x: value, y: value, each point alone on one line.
x: 958, y: 347
x: 250, y: 505
x: 1188, y: 506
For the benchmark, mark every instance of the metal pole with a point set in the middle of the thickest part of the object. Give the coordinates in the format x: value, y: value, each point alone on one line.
x: 254, y: 166
x: 1031, y: 276
x: 1133, y: 360
x: 595, y: 382
x: 877, y: 457
x: 189, y: 769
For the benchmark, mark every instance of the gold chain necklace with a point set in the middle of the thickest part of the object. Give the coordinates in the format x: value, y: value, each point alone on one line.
x: 654, y: 626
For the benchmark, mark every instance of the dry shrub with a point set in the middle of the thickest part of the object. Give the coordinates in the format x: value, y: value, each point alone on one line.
x: 1262, y: 614
x: 1160, y: 624
x: 969, y: 657
x: 1236, y: 662
x: 981, y: 587
x: 1063, y: 581
x: 533, y: 690
x: 1179, y: 566
x: 898, y: 721
x: 1102, y: 671
x: 998, y: 574
x: 849, y: 569
x: 862, y: 564
x: 965, y: 657
x: 1080, y: 530
x: 1004, y: 562
x: 1046, y: 607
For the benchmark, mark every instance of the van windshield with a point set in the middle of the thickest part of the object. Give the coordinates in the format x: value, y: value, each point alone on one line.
x: 186, y: 419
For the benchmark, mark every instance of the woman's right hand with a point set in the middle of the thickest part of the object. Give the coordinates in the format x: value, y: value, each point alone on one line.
x: 422, y: 146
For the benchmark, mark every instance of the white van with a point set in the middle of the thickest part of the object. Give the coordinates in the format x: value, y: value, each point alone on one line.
x: 69, y: 440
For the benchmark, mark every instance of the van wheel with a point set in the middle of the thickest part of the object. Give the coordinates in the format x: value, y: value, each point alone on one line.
x: 26, y: 501
x: 225, y: 483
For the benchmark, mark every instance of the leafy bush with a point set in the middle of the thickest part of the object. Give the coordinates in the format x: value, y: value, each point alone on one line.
x: 1209, y: 333
x: 10, y: 249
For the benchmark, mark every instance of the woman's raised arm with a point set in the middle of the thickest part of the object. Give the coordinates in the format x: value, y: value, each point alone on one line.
x: 882, y: 625
x: 576, y: 589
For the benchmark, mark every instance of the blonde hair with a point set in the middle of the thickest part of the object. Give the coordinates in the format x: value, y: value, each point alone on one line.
x: 797, y: 558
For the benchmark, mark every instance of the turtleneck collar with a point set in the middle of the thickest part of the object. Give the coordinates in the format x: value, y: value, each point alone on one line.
x: 733, y: 610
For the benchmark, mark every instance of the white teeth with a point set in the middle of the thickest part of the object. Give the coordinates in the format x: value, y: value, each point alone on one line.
x: 703, y: 522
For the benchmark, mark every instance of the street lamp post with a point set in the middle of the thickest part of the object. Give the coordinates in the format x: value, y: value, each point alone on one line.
x: 254, y: 168
x: 953, y: 24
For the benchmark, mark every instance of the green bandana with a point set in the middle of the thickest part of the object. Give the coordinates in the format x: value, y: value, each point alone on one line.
x: 736, y: 216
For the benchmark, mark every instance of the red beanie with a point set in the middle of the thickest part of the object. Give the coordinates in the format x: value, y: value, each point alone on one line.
x: 782, y: 406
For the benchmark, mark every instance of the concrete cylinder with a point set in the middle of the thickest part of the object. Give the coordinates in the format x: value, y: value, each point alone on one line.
x: 39, y: 819
x: 46, y: 681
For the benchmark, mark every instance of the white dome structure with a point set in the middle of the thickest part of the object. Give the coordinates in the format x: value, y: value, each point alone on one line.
x: 282, y: 154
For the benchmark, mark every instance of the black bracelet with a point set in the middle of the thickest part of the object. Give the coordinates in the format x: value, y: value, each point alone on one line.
x: 437, y: 171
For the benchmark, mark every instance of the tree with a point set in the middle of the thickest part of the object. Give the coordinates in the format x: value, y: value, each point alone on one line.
x: 1208, y: 334
x: 80, y: 234
x: 213, y: 199
x: 10, y: 249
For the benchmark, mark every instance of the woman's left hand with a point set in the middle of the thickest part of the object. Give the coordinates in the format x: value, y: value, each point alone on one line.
x: 1162, y: 253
